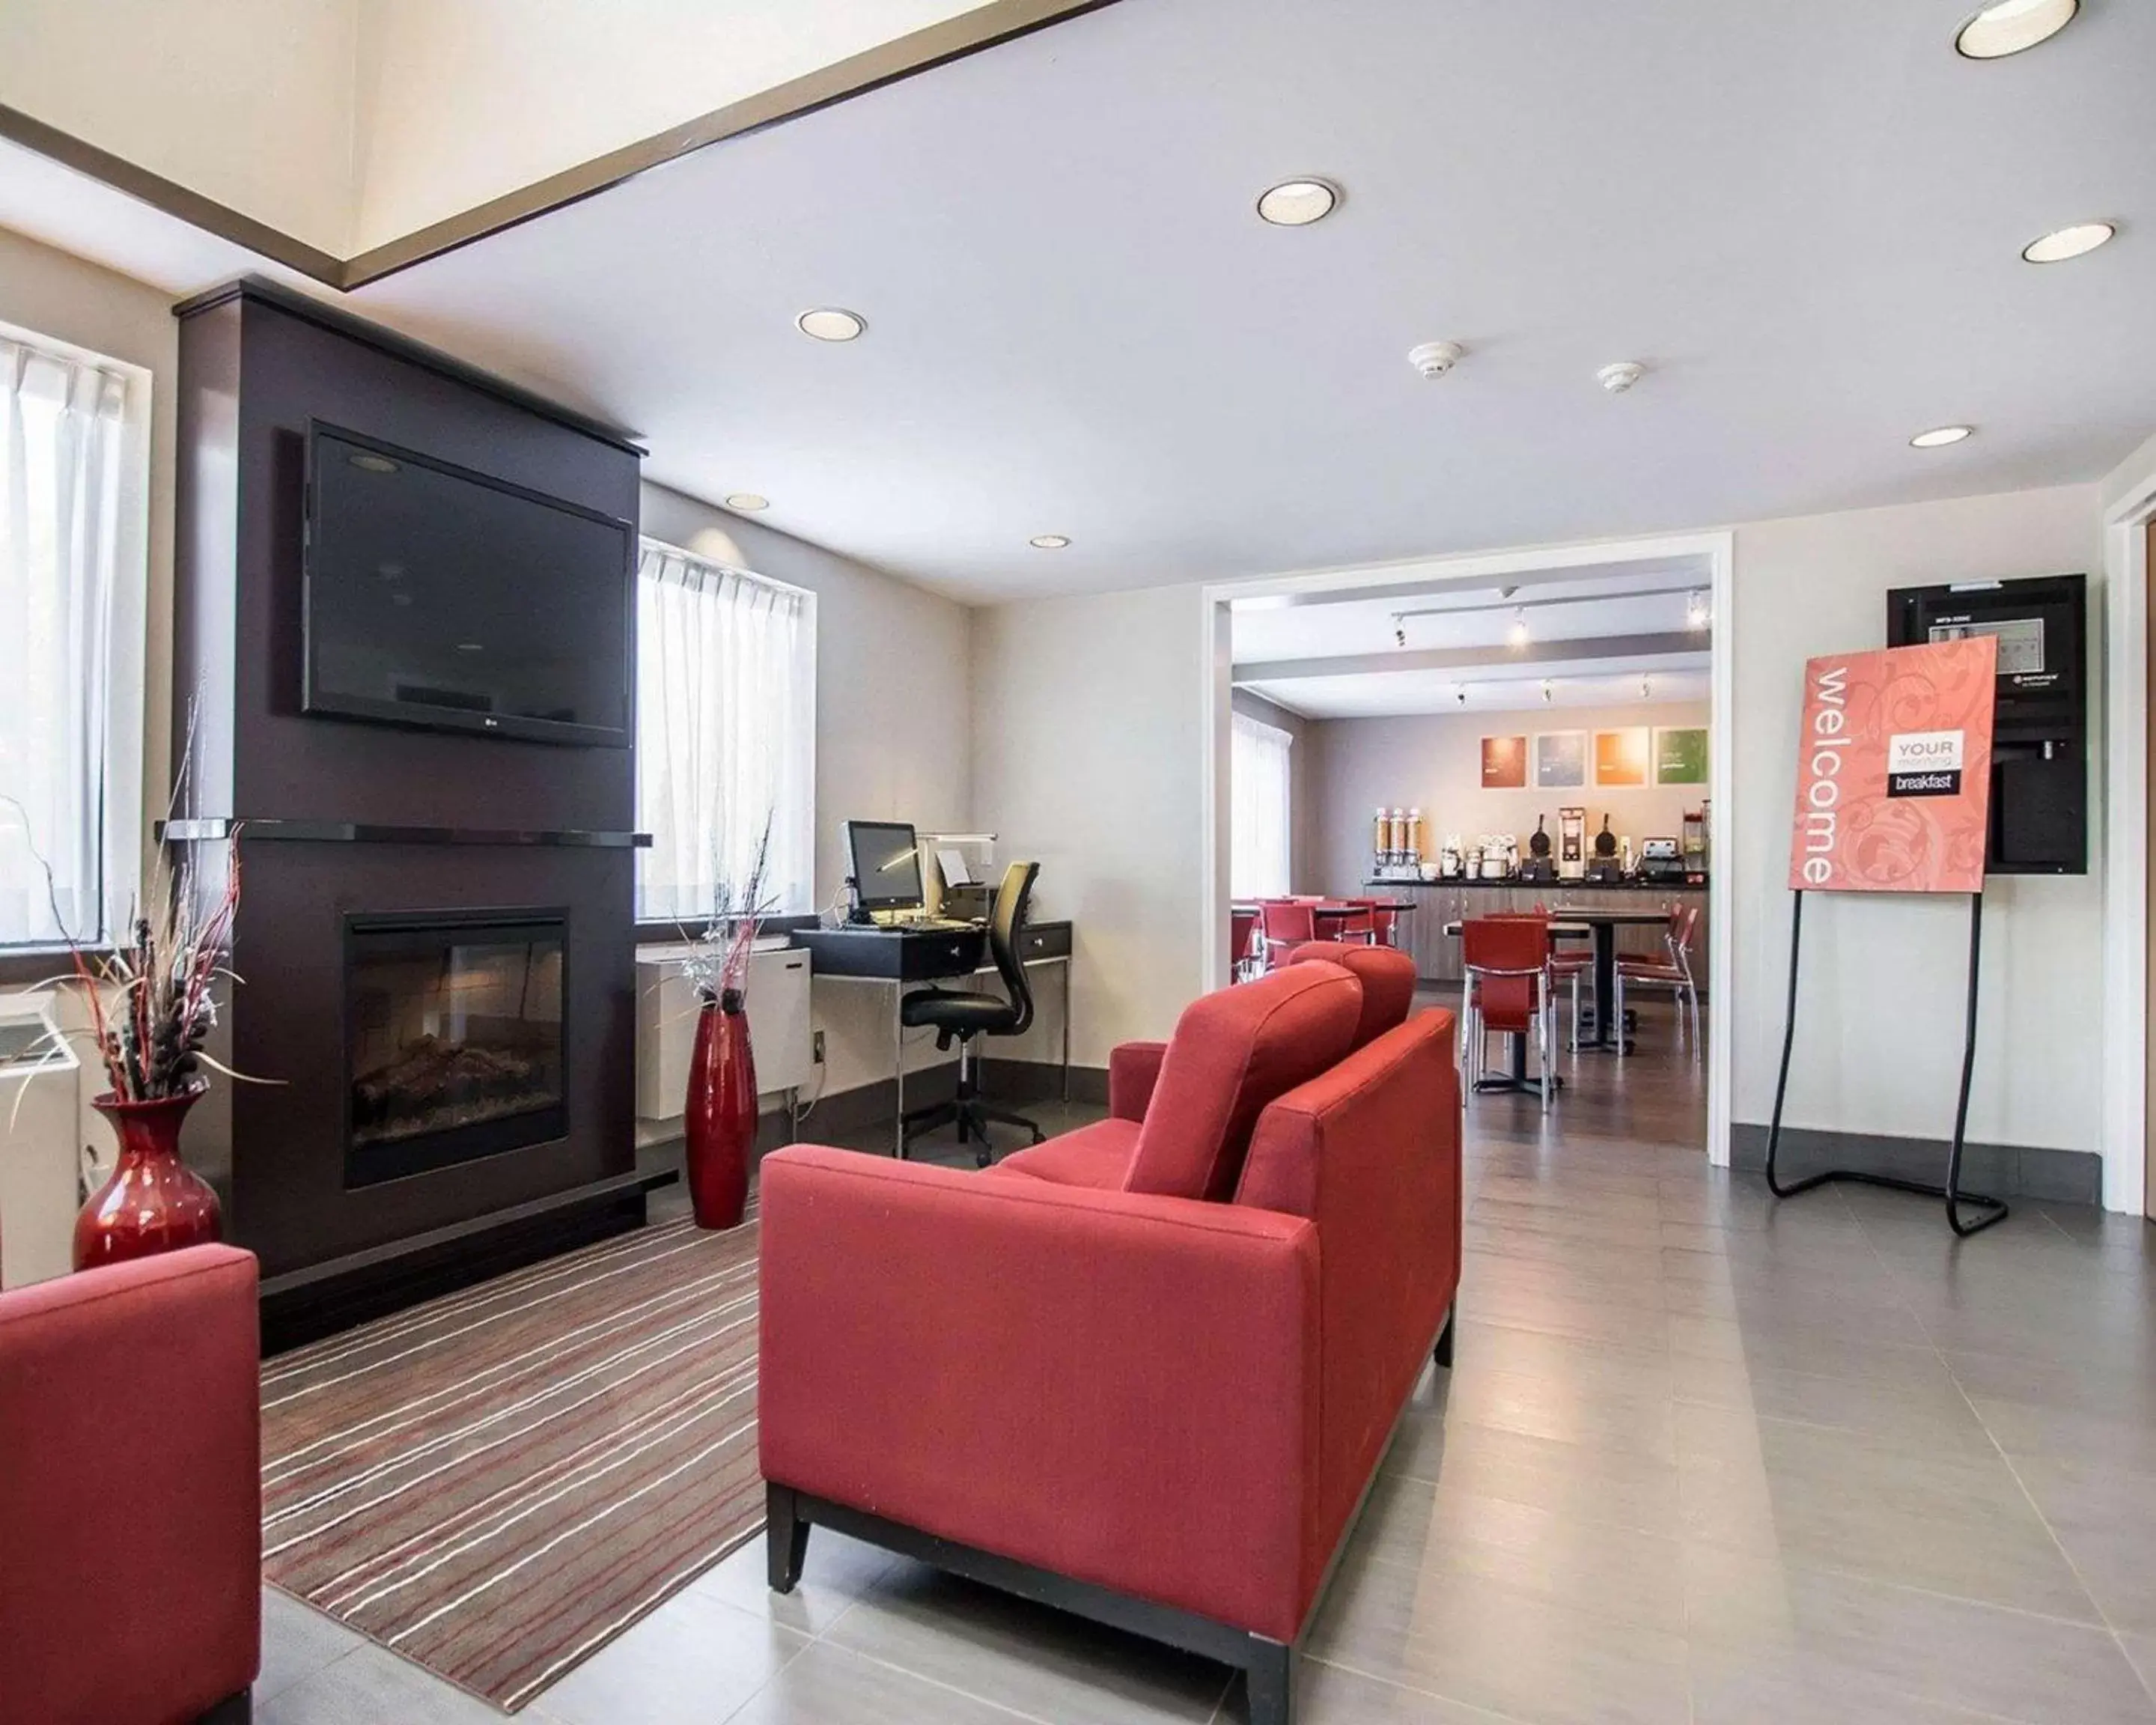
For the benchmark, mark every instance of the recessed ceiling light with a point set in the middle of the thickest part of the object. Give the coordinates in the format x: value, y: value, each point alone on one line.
x: 828, y: 323
x: 1296, y: 203
x: 1940, y: 436
x: 1518, y: 634
x: 471, y: 646
x: 746, y: 502
x: 2009, y: 26
x: 1048, y: 542
x: 2064, y: 243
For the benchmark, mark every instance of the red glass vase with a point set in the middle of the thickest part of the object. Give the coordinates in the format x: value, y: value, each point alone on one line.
x: 719, y: 1121
x: 153, y: 1202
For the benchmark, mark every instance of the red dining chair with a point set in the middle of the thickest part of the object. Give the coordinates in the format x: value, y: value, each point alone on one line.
x: 1385, y: 925
x: 1569, y: 964
x: 1361, y: 924
x: 1506, y: 960
x: 1287, y: 924
x: 1242, y: 943
x: 1672, y: 971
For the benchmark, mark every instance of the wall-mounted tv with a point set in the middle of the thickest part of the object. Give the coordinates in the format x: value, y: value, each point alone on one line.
x: 447, y: 599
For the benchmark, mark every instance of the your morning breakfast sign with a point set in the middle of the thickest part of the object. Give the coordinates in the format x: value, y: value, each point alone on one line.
x: 1894, y: 769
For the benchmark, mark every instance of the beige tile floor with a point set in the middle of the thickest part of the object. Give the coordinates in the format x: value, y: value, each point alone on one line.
x: 1705, y: 1458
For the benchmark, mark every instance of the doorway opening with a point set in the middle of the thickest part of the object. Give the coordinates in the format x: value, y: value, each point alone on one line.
x: 1460, y: 740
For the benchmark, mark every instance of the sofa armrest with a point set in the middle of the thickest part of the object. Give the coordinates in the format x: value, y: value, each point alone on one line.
x: 1133, y: 1069
x: 131, y: 1506
x: 1118, y: 1387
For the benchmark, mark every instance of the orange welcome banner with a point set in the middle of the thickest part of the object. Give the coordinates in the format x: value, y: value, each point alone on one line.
x: 1894, y: 769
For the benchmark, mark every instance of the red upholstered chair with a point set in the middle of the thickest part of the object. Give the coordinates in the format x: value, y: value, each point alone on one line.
x: 131, y: 1493
x: 1157, y: 1410
x: 1672, y: 971
x: 1388, y: 979
x: 1506, y: 960
x: 1385, y: 925
x: 1286, y: 923
x: 1242, y: 942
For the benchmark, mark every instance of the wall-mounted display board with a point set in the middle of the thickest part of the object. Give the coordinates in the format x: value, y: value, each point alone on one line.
x: 1504, y: 763
x: 1680, y: 754
x: 1621, y: 757
x: 1560, y: 760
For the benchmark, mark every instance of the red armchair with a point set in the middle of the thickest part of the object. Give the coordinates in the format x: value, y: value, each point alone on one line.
x: 1151, y: 1407
x: 130, y: 1511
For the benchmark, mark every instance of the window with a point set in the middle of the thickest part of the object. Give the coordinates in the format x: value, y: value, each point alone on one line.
x: 1258, y: 781
x: 726, y: 735
x: 72, y: 569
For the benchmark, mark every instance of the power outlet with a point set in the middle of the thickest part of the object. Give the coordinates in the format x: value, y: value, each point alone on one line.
x: 816, y: 1047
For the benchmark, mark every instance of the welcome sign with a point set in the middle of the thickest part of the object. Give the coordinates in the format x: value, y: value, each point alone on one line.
x: 1894, y: 769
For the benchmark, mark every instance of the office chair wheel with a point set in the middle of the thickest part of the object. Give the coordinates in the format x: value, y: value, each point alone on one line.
x: 1039, y: 1137
x: 982, y: 1159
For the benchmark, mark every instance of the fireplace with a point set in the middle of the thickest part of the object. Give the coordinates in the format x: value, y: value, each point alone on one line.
x: 452, y: 1038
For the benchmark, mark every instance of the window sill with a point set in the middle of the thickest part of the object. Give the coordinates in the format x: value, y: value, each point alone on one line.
x: 24, y: 967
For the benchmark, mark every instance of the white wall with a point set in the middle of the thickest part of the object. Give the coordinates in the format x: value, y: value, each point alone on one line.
x: 248, y: 102
x: 1434, y: 762
x: 462, y: 100
x: 1880, y: 1023
x: 1086, y: 759
x: 1089, y: 713
x: 894, y: 729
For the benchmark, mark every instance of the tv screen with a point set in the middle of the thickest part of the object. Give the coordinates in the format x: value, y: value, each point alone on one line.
x: 440, y: 598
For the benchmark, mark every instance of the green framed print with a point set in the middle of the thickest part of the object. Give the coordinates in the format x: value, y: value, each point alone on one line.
x: 1679, y: 755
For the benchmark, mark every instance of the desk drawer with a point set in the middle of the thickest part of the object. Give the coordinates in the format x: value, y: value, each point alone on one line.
x: 1045, y: 940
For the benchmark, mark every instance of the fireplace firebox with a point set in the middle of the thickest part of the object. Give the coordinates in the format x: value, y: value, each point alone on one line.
x: 452, y: 1038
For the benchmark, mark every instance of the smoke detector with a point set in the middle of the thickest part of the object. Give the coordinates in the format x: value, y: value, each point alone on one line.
x: 1620, y: 377
x: 1434, y: 359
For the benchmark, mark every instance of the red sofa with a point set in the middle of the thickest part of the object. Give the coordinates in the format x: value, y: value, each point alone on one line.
x: 1146, y: 1371
x: 131, y: 1494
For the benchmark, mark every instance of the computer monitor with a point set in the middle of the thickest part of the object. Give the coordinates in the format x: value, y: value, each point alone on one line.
x: 886, y: 864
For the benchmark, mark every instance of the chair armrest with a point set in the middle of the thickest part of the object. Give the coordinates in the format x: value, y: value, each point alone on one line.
x: 130, y: 1499
x: 1118, y: 1387
x: 1133, y: 1069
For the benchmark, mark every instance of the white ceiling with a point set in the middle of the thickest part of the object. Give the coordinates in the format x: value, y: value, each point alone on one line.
x: 1461, y: 620
x: 1804, y: 217
x: 1402, y: 694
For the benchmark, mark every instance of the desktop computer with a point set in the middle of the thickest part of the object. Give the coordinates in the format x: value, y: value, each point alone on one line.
x: 884, y: 858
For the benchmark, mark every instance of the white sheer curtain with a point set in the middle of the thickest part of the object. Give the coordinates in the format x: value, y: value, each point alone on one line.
x: 62, y: 447
x: 725, y: 730
x: 1260, y: 795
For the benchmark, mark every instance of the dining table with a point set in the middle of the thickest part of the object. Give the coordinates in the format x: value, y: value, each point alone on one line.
x: 1335, y: 911
x: 1599, y: 1036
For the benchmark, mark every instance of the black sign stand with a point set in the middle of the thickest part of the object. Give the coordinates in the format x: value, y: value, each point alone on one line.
x: 1987, y: 1210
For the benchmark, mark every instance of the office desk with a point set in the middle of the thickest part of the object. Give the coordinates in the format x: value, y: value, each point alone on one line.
x: 900, y: 958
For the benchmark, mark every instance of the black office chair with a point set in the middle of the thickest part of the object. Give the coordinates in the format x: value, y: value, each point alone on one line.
x: 964, y: 1016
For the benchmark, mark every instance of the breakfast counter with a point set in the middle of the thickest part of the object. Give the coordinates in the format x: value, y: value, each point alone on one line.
x: 1436, y: 955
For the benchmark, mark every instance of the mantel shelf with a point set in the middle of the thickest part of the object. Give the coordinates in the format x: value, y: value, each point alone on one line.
x: 342, y: 832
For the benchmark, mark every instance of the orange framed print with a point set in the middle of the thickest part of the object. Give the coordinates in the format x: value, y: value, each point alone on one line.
x: 1504, y: 763
x: 1622, y: 757
x: 1894, y: 769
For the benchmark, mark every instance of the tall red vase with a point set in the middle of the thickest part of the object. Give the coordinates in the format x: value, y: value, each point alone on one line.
x: 154, y: 1202
x: 720, y: 1120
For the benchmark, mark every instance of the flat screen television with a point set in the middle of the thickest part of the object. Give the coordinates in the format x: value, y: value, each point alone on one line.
x: 447, y: 599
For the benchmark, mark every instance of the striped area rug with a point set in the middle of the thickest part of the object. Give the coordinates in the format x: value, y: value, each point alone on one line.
x: 498, y: 1482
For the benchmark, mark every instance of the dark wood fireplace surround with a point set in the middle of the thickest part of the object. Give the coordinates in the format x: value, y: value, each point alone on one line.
x: 337, y: 819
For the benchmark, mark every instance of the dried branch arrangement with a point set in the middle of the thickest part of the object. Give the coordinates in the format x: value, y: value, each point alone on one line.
x: 718, y: 956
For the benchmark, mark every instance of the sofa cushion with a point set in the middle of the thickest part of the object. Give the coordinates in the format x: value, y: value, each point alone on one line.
x: 1098, y: 1156
x: 1387, y: 977
x: 1233, y: 1050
